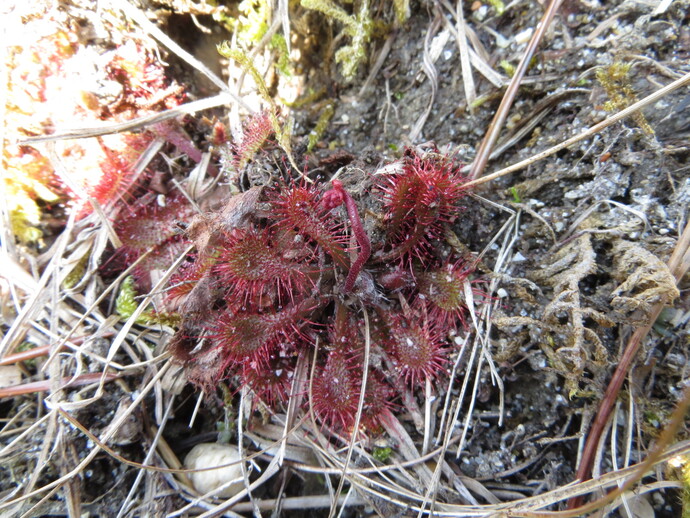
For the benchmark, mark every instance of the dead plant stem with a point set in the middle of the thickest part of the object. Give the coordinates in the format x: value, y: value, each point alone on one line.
x: 652, y: 98
x: 502, y: 113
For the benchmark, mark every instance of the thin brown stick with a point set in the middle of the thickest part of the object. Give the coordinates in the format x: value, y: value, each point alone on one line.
x: 67, y: 382
x: 43, y: 350
x: 30, y: 354
x: 502, y: 113
x: 678, y: 268
x: 652, y: 98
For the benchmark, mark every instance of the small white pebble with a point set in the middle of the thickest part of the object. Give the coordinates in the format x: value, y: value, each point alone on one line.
x: 524, y: 36
x: 206, y: 455
x: 519, y: 258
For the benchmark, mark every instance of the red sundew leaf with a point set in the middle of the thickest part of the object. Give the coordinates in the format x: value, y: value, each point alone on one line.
x: 377, y: 399
x: 442, y: 290
x: 186, y: 278
x: 299, y: 207
x: 241, y: 335
x: 335, y: 392
x: 256, y: 132
x: 150, y: 225
x: 143, y: 79
x: 417, y: 201
x: 115, y: 181
x: 153, y: 228
x: 254, y: 265
x: 417, y: 348
x: 270, y: 380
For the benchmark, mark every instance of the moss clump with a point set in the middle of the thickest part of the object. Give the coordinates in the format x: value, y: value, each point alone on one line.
x: 616, y: 81
x: 317, y: 133
x: 283, y: 132
x: 358, y: 27
x: 126, y: 304
x: 251, y: 26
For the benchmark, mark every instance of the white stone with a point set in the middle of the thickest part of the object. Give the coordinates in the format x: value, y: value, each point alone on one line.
x: 206, y: 455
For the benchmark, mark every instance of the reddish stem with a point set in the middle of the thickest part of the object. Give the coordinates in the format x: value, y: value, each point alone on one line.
x: 67, y: 382
x: 41, y: 350
x: 333, y: 198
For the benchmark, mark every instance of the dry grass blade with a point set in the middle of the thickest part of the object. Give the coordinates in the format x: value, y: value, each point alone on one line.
x: 68, y: 382
x: 283, y: 12
x: 136, y: 124
x: 295, y: 503
x: 467, y: 78
x: 35, y: 303
x: 478, y: 58
x: 124, y: 507
x: 78, y: 469
x: 378, y: 64
x: 432, y: 74
x: 461, y: 40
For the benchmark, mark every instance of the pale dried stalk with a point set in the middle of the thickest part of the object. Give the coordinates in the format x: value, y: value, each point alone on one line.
x: 652, y: 98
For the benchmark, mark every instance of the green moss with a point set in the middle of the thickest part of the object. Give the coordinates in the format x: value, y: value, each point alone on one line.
x: 507, y: 67
x: 126, y: 304
x: 24, y: 224
x: 324, y: 118
x: 616, y: 81
x: 382, y: 454
x: 252, y: 25
x: 76, y: 274
x: 283, y: 133
x: 357, y: 27
x: 515, y: 194
x: 498, y: 6
x: 402, y: 10
x: 282, y: 64
x: 307, y: 99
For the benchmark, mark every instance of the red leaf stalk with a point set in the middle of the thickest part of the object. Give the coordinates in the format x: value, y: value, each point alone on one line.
x: 337, y: 196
